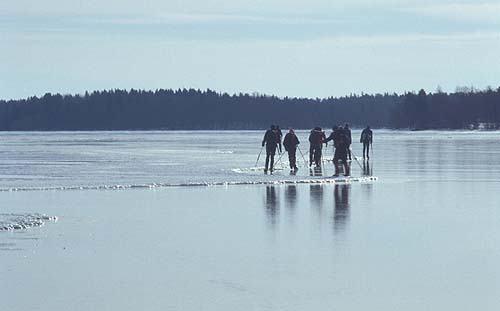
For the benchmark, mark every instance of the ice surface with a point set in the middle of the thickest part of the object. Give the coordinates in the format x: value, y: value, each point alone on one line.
x: 423, y: 236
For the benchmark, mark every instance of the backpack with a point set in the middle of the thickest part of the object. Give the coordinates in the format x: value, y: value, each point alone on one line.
x: 341, y: 138
x: 315, y: 137
x: 366, y: 136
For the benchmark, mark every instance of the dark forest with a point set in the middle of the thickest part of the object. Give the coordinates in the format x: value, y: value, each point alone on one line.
x: 189, y: 109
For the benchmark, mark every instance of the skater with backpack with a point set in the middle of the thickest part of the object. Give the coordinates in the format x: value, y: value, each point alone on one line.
x: 316, y: 140
x: 366, y: 139
x: 341, y: 143
x: 290, y: 143
x: 272, y: 141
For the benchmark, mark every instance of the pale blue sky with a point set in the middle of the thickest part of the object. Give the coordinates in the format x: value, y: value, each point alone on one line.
x: 314, y: 48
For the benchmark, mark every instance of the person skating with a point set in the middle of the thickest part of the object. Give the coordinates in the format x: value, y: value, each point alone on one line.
x: 366, y: 139
x: 271, y: 141
x: 341, y: 144
x: 316, y: 139
x: 348, y: 134
x: 290, y: 143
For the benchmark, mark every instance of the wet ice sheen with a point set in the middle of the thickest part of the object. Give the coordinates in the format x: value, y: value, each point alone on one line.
x: 424, y: 236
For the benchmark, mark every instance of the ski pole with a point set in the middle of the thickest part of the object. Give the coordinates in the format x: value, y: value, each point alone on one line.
x: 279, y: 159
x: 303, y: 158
x: 305, y: 154
x: 258, y: 157
x: 356, y: 158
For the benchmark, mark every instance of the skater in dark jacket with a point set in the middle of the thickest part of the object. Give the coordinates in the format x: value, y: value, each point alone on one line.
x: 271, y: 141
x: 366, y: 139
x: 341, y: 144
x: 316, y: 140
x: 290, y: 143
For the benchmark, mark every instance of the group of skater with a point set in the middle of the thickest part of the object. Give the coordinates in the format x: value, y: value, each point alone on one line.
x: 340, y: 136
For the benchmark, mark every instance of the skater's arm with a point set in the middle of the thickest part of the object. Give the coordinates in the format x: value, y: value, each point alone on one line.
x: 328, y: 139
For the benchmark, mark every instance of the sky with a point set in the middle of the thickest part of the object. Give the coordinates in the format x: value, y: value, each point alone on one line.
x: 314, y: 48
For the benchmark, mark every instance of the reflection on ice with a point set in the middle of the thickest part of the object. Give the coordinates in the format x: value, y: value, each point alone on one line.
x: 272, y: 205
x: 316, y: 196
x: 330, y: 204
x: 341, y: 207
x: 367, y: 168
x: 291, y: 197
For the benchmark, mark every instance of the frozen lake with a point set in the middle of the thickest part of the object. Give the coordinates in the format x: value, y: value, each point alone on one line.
x: 424, y: 236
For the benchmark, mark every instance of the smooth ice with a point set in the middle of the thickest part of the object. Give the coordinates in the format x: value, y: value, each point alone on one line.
x: 424, y: 236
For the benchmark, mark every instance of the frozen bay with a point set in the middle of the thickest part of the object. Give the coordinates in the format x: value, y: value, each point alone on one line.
x: 424, y: 236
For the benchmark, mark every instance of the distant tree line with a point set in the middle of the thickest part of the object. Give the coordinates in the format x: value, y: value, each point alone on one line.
x: 191, y: 109
x: 467, y: 108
